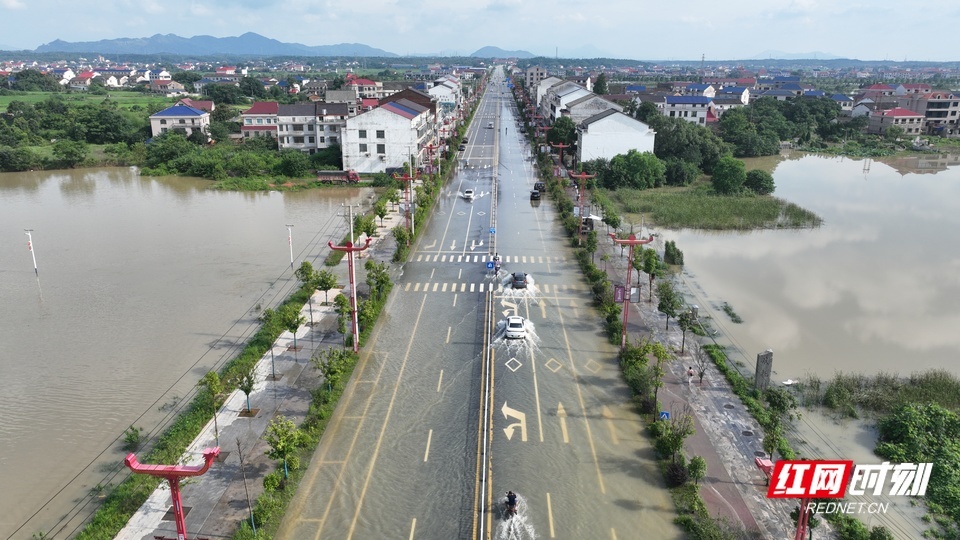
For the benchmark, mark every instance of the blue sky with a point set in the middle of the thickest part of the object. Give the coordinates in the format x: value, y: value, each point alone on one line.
x: 641, y: 30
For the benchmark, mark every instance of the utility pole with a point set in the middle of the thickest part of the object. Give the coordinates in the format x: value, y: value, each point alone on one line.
x: 631, y: 241
x: 351, y: 249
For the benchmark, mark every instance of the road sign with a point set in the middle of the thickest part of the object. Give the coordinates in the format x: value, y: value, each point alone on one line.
x: 664, y: 415
x: 618, y: 291
x: 489, y: 265
x: 493, y: 231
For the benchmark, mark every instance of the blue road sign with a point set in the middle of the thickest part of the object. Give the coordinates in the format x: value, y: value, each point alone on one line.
x: 489, y: 265
x: 664, y: 415
x: 493, y: 231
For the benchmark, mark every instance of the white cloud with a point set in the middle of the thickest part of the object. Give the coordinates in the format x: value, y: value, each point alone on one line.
x: 13, y: 4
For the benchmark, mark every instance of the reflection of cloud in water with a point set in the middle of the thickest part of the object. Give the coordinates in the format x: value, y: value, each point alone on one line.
x: 875, y: 288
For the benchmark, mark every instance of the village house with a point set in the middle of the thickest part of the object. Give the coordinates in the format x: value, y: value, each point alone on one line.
x: 180, y: 117
x: 611, y: 133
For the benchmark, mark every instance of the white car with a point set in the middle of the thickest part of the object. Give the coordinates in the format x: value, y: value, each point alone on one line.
x: 468, y: 194
x: 516, y: 328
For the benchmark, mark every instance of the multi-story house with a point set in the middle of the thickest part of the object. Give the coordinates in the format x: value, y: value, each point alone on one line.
x: 695, y: 109
x: 387, y: 137
x: 311, y: 126
x: 348, y: 96
x: 180, y: 117
x: 610, y: 133
x: 533, y: 75
x: 706, y: 90
x: 558, y: 97
x: 260, y: 120
x: 941, y: 111
x: 741, y: 93
x: 542, y: 87
x: 590, y: 105
x: 368, y: 89
x: 910, y: 122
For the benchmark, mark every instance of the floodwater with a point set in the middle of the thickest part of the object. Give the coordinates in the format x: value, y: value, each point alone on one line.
x: 875, y: 289
x: 144, y: 285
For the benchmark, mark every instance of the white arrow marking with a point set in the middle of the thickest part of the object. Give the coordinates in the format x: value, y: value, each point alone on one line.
x: 508, y: 431
x: 453, y: 245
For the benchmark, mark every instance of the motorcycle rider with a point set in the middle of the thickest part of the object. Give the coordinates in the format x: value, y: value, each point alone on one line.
x: 511, y: 503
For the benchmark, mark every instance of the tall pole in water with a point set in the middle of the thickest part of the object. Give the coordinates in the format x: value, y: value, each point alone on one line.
x: 30, y: 248
x: 290, y: 242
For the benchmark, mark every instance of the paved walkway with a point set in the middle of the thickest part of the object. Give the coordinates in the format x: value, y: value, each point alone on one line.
x: 217, y: 501
x: 727, y: 436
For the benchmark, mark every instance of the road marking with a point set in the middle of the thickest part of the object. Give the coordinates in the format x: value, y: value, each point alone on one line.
x: 426, y: 453
x: 444, y: 289
x: 435, y: 287
x: 440, y: 380
x: 586, y: 422
x: 613, y: 533
x: 608, y: 416
x: 386, y: 421
x: 416, y: 287
x: 522, y: 424
x: 413, y: 528
x: 550, y: 516
x: 449, y: 329
x: 433, y: 273
x: 562, y: 415
x: 407, y: 288
x: 472, y: 285
x: 454, y: 300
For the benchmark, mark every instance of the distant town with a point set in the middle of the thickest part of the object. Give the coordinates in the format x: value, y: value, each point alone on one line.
x: 380, y: 113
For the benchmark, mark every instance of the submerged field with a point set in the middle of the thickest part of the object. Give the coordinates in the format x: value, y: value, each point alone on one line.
x: 697, y: 208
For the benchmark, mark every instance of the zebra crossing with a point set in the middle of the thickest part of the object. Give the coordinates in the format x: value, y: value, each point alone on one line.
x: 505, y: 259
x: 473, y: 287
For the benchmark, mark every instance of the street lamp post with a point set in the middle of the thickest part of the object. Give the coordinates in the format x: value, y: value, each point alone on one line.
x: 30, y: 248
x: 561, y: 146
x: 290, y: 242
x: 631, y: 241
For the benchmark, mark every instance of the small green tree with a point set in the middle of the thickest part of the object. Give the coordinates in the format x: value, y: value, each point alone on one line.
x: 326, y: 280
x: 214, y: 386
x: 245, y: 383
x: 332, y: 364
x: 697, y: 468
x: 291, y: 319
x: 651, y: 264
x: 342, y: 307
x: 284, y: 438
x: 760, y: 182
x: 772, y: 437
x: 729, y: 176
x: 591, y: 244
x: 685, y: 321
x: 670, y: 301
x: 377, y: 278
x: 70, y: 153
x: 380, y: 209
x: 600, y: 87
x: 305, y: 273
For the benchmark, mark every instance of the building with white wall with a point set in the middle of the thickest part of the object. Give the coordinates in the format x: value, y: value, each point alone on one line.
x: 611, y: 133
x: 387, y: 137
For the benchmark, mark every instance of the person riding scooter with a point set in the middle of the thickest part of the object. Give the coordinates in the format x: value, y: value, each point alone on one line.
x: 511, y: 504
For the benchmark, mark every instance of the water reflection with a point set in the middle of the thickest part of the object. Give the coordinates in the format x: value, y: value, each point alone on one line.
x: 876, y: 288
x: 147, y: 284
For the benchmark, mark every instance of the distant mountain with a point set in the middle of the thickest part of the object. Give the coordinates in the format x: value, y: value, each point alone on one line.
x: 497, y: 52
x: 780, y: 55
x: 247, y: 44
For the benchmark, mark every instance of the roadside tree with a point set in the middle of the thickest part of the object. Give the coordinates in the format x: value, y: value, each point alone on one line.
x: 284, y: 438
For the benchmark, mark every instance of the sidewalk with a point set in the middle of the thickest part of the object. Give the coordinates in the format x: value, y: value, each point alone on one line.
x: 727, y: 436
x: 216, y: 502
